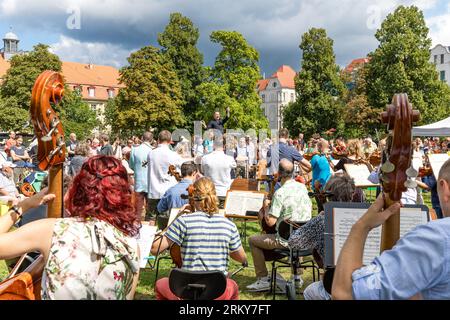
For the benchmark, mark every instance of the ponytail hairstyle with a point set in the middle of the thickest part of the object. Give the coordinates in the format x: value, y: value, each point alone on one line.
x: 205, y: 195
x: 101, y: 190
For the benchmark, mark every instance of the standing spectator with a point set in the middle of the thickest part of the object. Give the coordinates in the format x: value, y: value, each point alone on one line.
x: 20, y: 155
x: 126, y: 150
x: 138, y: 163
x: 94, y: 147
x: 208, y: 142
x: 217, y: 166
x: 71, y: 145
x: 81, y: 154
x: 106, y: 149
x: 159, y: 180
x: 117, y: 149
x: 301, y: 142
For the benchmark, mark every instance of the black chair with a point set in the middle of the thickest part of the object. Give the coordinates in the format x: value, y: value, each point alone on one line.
x: 287, y: 257
x: 197, y: 285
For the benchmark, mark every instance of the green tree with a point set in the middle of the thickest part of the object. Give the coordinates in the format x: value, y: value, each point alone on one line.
x: 360, y: 118
x: 401, y: 64
x: 179, y: 45
x: 152, y: 96
x: 319, y: 88
x: 76, y: 115
x: 232, y: 83
x: 24, y: 70
x: 12, y: 116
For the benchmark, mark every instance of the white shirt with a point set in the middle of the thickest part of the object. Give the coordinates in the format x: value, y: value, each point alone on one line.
x: 217, y: 166
x: 159, y: 161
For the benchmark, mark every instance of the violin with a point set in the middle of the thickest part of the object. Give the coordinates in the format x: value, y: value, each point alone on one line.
x: 47, y: 92
x: 174, y: 173
x: 397, y: 173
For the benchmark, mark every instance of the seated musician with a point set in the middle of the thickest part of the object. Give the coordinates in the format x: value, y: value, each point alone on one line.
x: 290, y: 201
x: 416, y: 267
x: 354, y: 152
x: 172, y: 198
x: 93, y: 254
x: 206, y: 240
x: 339, y: 188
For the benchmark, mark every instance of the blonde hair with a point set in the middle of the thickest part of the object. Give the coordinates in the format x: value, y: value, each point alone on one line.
x: 205, y: 190
x: 354, y: 148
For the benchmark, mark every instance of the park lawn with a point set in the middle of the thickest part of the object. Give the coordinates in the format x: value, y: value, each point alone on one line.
x: 245, y: 277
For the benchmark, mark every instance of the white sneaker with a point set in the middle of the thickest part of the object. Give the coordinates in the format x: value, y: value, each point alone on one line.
x: 262, y: 284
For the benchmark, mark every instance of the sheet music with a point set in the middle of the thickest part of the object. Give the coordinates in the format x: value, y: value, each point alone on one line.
x: 145, y: 240
x: 239, y: 202
x: 360, y: 173
x: 436, y: 162
x: 411, y: 218
x: 344, y: 219
x: 173, y: 215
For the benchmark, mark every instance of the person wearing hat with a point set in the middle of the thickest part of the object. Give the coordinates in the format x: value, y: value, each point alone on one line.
x: 7, y: 186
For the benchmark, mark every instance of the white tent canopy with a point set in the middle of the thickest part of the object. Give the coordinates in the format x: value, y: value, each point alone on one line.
x: 437, y: 129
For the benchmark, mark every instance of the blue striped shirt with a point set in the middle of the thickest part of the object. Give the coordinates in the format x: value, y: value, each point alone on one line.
x: 205, y: 240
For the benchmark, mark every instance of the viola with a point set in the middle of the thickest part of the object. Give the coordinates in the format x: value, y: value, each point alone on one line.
x: 174, y: 173
x: 397, y: 173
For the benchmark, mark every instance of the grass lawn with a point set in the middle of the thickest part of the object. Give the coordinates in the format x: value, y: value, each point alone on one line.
x: 245, y: 277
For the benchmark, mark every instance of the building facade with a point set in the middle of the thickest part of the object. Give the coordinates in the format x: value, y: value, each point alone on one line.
x: 440, y: 56
x: 96, y: 83
x: 276, y: 92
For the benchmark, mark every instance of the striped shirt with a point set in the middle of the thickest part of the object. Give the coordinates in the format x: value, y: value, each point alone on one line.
x: 205, y: 240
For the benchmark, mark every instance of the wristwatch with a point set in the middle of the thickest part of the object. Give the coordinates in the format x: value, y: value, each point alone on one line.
x: 16, y: 209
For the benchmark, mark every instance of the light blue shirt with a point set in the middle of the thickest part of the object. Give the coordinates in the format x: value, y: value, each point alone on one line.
x: 137, y: 157
x: 172, y: 197
x: 419, y: 263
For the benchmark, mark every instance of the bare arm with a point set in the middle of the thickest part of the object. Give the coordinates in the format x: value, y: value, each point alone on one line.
x: 239, y: 255
x: 351, y: 256
x: 160, y: 245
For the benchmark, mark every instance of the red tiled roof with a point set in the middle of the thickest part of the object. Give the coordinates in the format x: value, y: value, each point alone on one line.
x: 102, y: 78
x: 262, y: 84
x: 4, y: 66
x: 355, y: 63
x: 285, y: 75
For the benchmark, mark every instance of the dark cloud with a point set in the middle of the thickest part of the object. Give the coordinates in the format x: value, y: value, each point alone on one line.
x: 273, y: 27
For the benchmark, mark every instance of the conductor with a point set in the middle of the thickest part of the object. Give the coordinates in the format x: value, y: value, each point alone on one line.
x: 218, y: 123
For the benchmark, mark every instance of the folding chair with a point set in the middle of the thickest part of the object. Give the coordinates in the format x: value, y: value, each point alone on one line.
x: 197, y: 285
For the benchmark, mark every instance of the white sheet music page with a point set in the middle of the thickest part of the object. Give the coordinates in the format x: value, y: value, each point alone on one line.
x: 239, y: 202
x: 145, y: 240
x: 343, y: 220
x: 411, y: 218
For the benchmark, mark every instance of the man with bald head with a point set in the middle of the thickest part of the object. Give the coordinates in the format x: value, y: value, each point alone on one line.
x: 418, y: 266
x: 290, y: 202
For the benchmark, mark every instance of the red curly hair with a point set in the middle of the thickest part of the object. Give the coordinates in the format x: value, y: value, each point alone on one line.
x: 101, y: 190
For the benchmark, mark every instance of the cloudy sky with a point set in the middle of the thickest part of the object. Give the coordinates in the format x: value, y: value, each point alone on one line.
x: 106, y: 31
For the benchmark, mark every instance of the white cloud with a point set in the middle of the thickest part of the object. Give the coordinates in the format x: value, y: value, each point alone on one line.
x: 69, y: 49
x: 440, y: 28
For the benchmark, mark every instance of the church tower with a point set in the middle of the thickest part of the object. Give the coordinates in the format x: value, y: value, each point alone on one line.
x: 10, y: 45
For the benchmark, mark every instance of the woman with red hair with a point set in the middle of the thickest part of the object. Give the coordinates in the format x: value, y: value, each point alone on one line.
x: 92, y: 253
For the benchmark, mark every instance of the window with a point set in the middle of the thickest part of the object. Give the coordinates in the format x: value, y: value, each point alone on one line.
x: 284, y: 96
x: 91, y: 92
x: 263, y: 97
x: 110, y: 93
x: 442, y: 59
x: 435, y: 59
x: 274, y: 84
x: 292, y: 97
x: 77, y: 88
x: 272, y: 97
x: 442, y: 75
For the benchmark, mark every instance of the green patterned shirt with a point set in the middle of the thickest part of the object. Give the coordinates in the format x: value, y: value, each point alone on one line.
x: 291, y: 202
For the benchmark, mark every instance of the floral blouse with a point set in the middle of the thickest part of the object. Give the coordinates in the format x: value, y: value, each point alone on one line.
x: 89, y: 260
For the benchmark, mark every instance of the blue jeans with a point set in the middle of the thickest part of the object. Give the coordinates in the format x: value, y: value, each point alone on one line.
x: 24, y: 164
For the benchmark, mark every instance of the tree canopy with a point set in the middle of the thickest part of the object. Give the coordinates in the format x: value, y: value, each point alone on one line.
x: 319, y: 88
